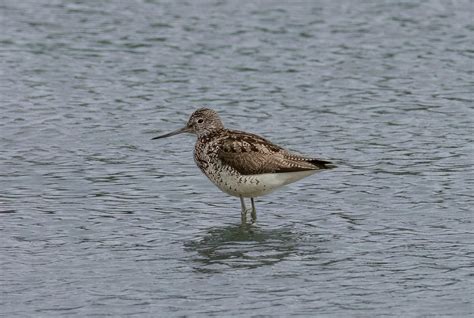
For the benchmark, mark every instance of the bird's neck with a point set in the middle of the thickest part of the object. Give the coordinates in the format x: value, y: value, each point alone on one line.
x: 207, y: 135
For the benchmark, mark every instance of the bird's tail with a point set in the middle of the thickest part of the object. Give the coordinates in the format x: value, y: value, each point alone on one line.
x: 322, y: 164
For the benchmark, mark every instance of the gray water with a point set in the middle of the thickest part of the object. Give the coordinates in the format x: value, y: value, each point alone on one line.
x: 98, y: 220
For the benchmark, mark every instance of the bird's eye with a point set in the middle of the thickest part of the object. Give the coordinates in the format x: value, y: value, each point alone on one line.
x: 200, y: 121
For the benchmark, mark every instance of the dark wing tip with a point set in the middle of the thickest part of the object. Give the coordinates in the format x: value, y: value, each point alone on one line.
x: 322, y: 164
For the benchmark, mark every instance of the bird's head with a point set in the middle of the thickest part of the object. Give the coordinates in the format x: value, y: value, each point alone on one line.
x: 201, y: 122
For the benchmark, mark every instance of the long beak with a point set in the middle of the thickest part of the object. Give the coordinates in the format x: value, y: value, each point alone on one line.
x: 176, y: 132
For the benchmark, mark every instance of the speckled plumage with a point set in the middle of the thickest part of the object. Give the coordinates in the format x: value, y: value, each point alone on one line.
x: 244, y: 164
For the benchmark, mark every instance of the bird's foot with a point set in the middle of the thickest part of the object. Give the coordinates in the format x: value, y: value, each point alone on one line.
x: 253, y: 216
x: 243, y: 216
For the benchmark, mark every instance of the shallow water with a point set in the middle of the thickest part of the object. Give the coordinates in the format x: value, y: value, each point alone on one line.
x: 98, y: 220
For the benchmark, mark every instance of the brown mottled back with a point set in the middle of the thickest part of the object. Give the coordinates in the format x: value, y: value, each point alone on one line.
x: 251, y: 154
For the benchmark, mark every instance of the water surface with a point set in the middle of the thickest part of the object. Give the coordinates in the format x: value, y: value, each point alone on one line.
x: 98, y: 220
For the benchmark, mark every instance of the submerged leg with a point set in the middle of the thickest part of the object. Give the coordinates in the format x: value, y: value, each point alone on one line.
x: 243, y: 213
x: 254, y: 211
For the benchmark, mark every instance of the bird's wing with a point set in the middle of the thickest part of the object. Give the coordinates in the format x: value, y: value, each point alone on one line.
x: 252, y: 154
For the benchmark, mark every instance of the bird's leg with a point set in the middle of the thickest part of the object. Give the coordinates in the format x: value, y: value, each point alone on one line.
x: 243, y: 213
x: 254, y: 211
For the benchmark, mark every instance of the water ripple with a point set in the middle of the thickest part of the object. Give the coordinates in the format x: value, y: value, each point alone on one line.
x: 97, y: 219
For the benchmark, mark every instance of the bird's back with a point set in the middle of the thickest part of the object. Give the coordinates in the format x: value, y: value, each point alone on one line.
x: 249, y: 154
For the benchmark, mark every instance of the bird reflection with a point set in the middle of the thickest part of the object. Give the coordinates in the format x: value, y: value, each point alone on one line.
x: 242, y: 246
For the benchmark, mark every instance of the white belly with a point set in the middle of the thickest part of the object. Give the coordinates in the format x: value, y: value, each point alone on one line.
x: 255, y: 185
